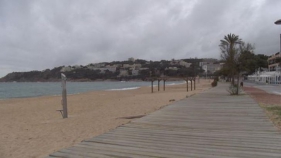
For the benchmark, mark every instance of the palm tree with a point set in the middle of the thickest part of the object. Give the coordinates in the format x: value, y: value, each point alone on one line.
x: 230, y: 53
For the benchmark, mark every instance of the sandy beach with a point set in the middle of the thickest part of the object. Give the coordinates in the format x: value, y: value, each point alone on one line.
x: 31, y: 127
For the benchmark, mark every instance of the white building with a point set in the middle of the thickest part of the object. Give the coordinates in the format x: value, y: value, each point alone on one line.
x: 183, y: 63
x: 273, y: 73
x: 202, y: 64
x: 103, y: 69
x: 172, y: 68
x: 135, y: 72
x: 272, y: 77
x: 137, y: 66
x: 66, y: 69
x: 210, y: 67
x: 128, y: 66
x: 273, y: 64
x: 180, y: 62
x: 117, y: 65
x: 174, y: 62
x: 123, y: 73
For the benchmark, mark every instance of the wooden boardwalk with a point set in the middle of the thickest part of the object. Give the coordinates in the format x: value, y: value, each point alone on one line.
x: 208, y: 125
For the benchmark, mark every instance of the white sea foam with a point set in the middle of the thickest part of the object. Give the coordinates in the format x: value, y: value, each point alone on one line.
x: 123, y: 89
x: 171, y: 84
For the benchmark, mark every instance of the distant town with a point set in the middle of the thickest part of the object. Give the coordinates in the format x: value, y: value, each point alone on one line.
x: 139, y: 69
x: 131, y: 69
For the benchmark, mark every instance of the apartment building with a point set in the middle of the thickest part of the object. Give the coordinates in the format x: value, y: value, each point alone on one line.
x: 273, y: 63
x: 211, y: 67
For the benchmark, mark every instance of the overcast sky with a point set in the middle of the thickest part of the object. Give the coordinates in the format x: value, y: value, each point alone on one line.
x: 41, y: 34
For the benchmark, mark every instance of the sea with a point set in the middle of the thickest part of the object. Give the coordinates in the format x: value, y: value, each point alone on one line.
x: 10, y: 90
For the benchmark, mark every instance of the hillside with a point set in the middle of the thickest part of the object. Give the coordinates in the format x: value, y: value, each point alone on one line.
x: 116, y: 70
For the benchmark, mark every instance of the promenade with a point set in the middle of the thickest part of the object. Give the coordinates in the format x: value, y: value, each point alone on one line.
x: 211, y: 124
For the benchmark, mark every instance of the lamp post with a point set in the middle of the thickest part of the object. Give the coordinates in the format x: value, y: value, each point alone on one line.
x: 278, y: 22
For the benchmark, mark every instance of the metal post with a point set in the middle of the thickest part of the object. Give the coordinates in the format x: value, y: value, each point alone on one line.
x: 64, y: 94
x: 206, y: 71
x: 186, y: 84
x: 194, y: 83
x: 238, y: 68
x: 238, y: 84
x: 191, y: 83
x: 158, y: 84
x: 151, y: 86
x: 164, y: 84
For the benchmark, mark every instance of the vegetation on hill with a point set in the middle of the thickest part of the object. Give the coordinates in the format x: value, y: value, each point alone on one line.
x: 32, y: 76
x: 86, y: 73
x: 236, y: 55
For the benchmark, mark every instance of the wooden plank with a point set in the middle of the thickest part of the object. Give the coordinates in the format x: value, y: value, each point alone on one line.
x: 148, y: 150
x: 105, y: 152
x: 175, y: 134
x: 173, y: 138
x: 70, y: 153
x: 130, y: 150
x: 195, y: 140
x: 203, y: 148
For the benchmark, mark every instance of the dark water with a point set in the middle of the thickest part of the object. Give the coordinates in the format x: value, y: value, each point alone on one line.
x: 33, y: 89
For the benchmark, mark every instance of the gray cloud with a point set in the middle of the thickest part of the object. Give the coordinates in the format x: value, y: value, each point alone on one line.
x: 36, y: 35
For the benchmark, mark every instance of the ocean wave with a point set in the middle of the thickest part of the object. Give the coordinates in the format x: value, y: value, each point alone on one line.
x: 171, y: 84
x: 123, y: 89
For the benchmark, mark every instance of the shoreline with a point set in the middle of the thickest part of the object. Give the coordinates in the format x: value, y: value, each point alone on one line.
x: 85, y: 80
x: 27, y: 123
x: 69, y: 94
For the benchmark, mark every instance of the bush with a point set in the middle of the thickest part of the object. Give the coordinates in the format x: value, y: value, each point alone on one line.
x: 214, y: 83
x: 232, y: 89
x: 216, y: 78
